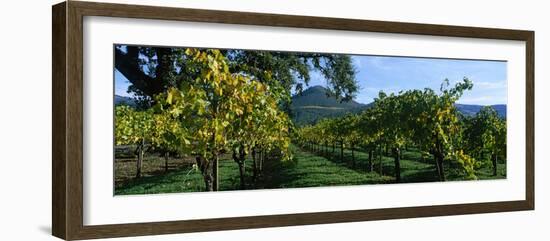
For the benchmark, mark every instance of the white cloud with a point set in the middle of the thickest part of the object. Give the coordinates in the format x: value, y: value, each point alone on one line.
x: 475, y: 100
x: 490, y: 85
x: 482, y: 100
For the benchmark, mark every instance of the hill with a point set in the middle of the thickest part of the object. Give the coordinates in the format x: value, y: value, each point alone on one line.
x: 317, y: 96
x: 313, y: 104
x: 471, y: 110
x: 124, y: 100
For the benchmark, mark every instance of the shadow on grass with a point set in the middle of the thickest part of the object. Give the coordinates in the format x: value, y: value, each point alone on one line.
x: 413, y: 168
x: 310, y: 170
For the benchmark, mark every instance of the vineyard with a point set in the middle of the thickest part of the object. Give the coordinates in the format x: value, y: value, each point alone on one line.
x: 420, y: 119
x: 223, y: 120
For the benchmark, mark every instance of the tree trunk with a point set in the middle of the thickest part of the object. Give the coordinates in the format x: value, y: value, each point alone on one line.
x: 240, y: 160
x: 166, y: 155
x: 261, y: 166
x: 241, y: 173
x: 380, y: 160
x: 371, y: 164
x: 208, y: 183
x: 494, y: 159
x: 139, y: 163
x: 352, y: 156
x: 205, y: 167
x: 254, y: 165
x: 215, y: 174
x: 437, y: 166
x: 439, y: 162
x: 397, y: 160
x: 342, y: 151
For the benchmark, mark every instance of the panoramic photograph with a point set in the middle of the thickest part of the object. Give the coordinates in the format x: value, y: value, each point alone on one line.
x: 203, y: 119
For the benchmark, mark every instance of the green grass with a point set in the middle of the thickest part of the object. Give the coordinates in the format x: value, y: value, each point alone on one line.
x: 183, y: 179
x: 307, y: 169
x: 310, y: 170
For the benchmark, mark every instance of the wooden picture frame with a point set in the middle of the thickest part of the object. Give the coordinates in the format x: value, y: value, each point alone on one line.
x: 67, y: 124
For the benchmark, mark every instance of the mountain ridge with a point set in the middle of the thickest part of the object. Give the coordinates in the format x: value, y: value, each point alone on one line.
x: 124, y: 100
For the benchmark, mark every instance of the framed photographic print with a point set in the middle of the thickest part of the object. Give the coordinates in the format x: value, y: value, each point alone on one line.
x: 171, y: 120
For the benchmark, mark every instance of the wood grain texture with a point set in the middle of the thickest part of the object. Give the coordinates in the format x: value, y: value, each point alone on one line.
x: 74, y: 120
x: 279, y: 20
x: 530, y: 120
x: 59, y: 181
x: 67, y: 136
x: 121, y: 230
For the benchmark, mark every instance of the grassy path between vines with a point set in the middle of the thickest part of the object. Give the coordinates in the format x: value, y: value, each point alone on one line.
x: 306, y: 170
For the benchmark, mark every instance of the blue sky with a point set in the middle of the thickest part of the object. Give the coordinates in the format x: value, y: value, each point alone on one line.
x: 392, y: 74
x: 121, y: 84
